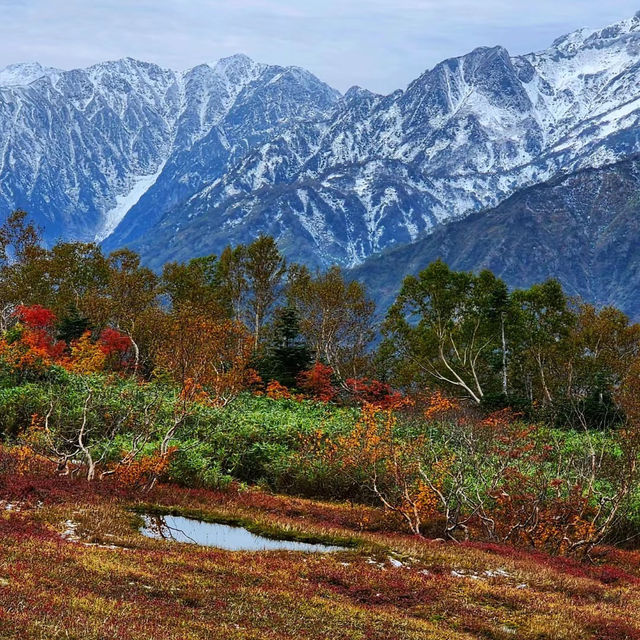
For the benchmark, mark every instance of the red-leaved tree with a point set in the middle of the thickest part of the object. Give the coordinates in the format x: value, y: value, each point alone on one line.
x: 318, y: 382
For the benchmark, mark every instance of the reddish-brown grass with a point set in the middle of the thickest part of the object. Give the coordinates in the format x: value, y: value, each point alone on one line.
x: 111, y: 582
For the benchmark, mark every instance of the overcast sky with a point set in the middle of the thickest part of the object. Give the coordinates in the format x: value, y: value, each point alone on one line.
x: 379, y: 44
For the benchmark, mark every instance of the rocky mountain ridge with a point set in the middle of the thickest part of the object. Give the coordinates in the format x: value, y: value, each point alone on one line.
x: 176, y: 165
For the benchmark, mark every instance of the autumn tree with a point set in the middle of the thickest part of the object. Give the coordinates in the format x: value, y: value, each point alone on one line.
x: 86, y: 356
x: 60, y: 278
x: 206, y: 356
x: 129, y: 303
x: 75, y: 271
x: 265, y: 269
x: 31, y: 347
x: 336, y: 318
x: 251, y: 281
x: 196, y: 284
x: 602, y: 346
x: 21, y: 266
x: 318, y: 382
x: 233, y: 283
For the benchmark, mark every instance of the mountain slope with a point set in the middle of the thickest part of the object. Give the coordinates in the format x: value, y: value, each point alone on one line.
x: 582, y: 229
x: 176, y: 165
x: 73, y: 141
x: 384, y: 169
x: 81, y: 148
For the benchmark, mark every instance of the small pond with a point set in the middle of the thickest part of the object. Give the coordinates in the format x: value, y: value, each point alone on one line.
x: 222, y: 536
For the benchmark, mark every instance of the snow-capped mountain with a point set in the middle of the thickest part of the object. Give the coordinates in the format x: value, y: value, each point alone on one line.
x: 181, y: 164
x: 23, y: 74
x: 80, y: 148
x: 581, y: 228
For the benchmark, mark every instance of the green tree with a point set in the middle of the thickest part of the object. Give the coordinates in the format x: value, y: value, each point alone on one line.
x: 447, y: 327
x: 252, y: 281
x: 541, y: 325
x: 287, y: 352
x: 72, y: 325
x: 196, y: 284
x: 75, y: 271
x: 265, y: 269
x: 233, y: 282
x: 22, y: 266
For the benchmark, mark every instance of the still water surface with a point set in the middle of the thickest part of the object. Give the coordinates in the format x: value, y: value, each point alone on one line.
x: 222, y: 536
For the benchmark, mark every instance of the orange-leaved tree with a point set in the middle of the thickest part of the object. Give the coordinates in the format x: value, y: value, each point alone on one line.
x: 32, y: 345
x: 86, y: 356
x: 375, y: 457
x: 206, y: 356
x: 208, y: 360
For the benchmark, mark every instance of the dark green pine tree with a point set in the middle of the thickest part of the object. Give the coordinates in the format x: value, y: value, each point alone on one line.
x: 72, y: 325
x: 287, y: 353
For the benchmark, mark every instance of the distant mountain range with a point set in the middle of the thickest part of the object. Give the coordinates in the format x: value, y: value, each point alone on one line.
x: 179, y: 164
x: 583, y: 229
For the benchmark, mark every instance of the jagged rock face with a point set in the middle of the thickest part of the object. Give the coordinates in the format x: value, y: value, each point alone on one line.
x: 73, y: 141
x: 582, y: 229
x: 176, y: 165
x: 82, y: 147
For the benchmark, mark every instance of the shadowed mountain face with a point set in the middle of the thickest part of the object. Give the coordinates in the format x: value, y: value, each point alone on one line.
x: 177, y: 165
x: 583, y: 229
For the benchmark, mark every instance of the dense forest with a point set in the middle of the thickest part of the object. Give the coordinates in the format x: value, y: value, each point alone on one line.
x: 467, y: 410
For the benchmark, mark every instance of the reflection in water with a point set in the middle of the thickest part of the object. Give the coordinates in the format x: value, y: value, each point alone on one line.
x: 222, y: 536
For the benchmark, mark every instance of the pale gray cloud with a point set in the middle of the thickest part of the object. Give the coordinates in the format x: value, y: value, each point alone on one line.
x: 379, y: 44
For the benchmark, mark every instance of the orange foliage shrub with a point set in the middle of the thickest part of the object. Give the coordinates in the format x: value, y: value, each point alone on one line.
x: 193, y: 392
x: 135, y: 473
x: 277, y: 391
x: 34, y: 350
x: 483, y: 478
x: 86, y: 356
x: 25, y: 460
x: 389, y: 465
x: 113, y: 342
x: 116, y: 347
x: 439, y: 406
x: 554, y: 524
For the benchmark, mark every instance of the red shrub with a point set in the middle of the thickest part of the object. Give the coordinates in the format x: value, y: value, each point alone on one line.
x: 114, y: 342
x: 36, y: 316
x: 606, y: 628
x: 374, y: 392
x: 318, y: 382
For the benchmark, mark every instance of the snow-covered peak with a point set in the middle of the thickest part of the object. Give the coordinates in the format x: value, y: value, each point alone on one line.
x: 249, y: 147
x: 235, y: 61
x: 237, y: 68
x: 583, y: 74
x: 127, y: 67
x: 24, y: 73
x: 359, y: 93
x: 572, y: 43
